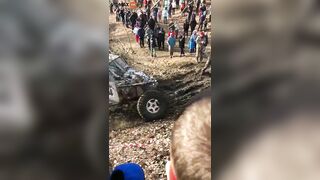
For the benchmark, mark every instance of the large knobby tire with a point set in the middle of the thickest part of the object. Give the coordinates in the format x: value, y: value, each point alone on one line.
x: 152, y: 105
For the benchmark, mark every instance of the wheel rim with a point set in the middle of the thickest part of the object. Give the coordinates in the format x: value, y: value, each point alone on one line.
x: 153, y: 106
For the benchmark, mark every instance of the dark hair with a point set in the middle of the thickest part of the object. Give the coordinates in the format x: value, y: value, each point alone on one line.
x: 117, y: 175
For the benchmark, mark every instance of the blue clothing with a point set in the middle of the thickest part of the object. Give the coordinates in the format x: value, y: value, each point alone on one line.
x: 172, y: 41
x: 130, y: 171
x: 192, y: 42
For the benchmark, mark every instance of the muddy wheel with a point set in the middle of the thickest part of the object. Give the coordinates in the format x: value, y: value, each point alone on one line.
x: 152, y: 105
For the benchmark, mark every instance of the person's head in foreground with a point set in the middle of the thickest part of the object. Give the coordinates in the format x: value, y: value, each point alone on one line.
x: 127, y: 171
x: 191, y: 144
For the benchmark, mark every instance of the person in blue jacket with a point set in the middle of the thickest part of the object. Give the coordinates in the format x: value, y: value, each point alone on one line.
x: 171, y: 43
x: 192, y: 42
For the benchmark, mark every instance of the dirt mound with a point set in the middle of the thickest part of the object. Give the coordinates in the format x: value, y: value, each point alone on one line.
x: 148, y: 145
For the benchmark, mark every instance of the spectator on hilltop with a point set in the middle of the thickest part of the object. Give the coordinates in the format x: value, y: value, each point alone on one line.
x: 133, y: 19
x: 153, y: 46
x: 181, y: 45
x: 192, y: 42
x: 170, y: 9
x: 190, y: 11
x: 193, y: 24
x: 149, y: 34
x: 161, y: 38
x: 165, y: 15
x: 171, y: 43
x: 151, y: 23
x: 186, y: 26
x: 141, y: 34
x: 200, y: 48
x: 202, y: 19
x: 122, y: 15
x: 174, y: 6
x: 155, y: 13
x: 182, y: 5
x: 144, y: 19
x: 198, y: 2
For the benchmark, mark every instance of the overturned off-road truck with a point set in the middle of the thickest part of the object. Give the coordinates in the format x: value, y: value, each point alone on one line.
x: 129, y: 85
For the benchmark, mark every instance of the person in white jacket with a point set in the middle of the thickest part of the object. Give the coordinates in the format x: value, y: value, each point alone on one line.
x: 165, y: 15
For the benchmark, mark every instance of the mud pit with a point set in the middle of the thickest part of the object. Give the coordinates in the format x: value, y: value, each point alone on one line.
x: 132, y: 139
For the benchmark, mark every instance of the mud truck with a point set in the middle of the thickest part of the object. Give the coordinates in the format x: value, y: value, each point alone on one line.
x: 129, y: 85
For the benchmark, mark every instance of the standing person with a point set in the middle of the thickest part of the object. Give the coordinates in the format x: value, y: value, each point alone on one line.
x: 205, y: 24
x: 203, y: 8
x: 133, y: 19
x: 141, y: 34
x: 153, y: 46
x: 177, y: 3
x: 174, y: 6
x: 155, y: 13
x: 171, y: 43
x: 161, y: 38
x: 156, y: 34
x: 143, y: 19
x: 122, y: 15
x: 206, y: 39
x: 186, y: 27
x: 127, y: 17
x: 190, y: 11
x: 165, y: 15
x: 148, y: 11
x: 200, y: 47
x: 193, y: 24
x: 193, y: 16
x: 170, y: 9
x: 182, y: 5
x: 192, y: 42
x: 145, y: 2
x: 151, y: 23
x: 181, y: 45
x: 201, y: 22
x: 149, y: 35
x: 197, y: 5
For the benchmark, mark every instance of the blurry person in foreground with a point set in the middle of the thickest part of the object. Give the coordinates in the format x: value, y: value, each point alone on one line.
x: 190, y: 151
x: 266, y: 90
x: 127, y: 171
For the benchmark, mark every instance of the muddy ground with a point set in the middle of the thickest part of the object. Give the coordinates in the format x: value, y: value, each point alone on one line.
x: 132, y: 139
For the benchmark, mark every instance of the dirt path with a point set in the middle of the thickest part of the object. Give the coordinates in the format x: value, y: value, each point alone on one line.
x: 133, y: 140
